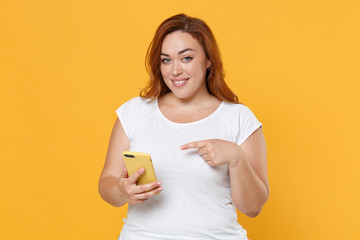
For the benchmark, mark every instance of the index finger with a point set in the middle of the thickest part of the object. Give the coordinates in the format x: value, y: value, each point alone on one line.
x: 198, y: 144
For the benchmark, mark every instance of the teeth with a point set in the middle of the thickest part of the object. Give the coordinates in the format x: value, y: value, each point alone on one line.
x: 179, y: 82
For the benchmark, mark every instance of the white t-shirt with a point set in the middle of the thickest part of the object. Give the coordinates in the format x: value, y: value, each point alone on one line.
x: 195, y: 202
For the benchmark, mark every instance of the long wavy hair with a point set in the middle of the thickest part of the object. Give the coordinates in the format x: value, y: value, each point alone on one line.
x: 199, y: 30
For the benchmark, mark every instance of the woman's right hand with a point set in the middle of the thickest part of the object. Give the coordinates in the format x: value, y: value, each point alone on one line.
x: 135, y: 194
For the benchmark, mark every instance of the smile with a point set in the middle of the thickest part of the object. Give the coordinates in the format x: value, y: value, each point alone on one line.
x: 180, y: 82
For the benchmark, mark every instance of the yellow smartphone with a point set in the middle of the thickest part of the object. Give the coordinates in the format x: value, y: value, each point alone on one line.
x: 136, y: 160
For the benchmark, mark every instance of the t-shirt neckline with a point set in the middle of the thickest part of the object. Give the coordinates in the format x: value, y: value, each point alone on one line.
x: 187, y: 123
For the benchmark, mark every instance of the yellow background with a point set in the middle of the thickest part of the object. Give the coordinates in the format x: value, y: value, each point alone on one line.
x: 65, y: 66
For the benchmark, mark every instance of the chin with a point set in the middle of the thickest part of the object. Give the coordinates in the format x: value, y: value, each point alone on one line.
x: 182, y: 96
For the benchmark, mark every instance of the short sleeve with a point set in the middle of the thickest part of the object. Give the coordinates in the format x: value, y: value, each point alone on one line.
x: 125, y: 112
x: 121, y: 113
x: 131, y: 111
x: 248, y: 123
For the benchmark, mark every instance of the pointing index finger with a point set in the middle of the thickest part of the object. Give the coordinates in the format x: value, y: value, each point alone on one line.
x: 198, y: 144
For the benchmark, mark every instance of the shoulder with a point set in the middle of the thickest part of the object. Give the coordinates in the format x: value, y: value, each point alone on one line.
x: 136, y: 101
x: 133, y: 111
x: 236, y: 110
x: 239, y: 117
x: 135, y: 108
x: 136, y: 104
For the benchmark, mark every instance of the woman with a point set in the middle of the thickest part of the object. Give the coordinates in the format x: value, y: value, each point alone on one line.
x: 208, y: 151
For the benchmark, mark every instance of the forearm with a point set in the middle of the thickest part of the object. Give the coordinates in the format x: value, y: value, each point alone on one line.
x: 249, y: 192
x: 108, y: 189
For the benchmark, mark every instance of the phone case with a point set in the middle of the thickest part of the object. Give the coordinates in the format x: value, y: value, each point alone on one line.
x: 134, y: 161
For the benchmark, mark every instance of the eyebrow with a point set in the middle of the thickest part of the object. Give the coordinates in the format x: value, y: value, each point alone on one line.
x: 182, y: 51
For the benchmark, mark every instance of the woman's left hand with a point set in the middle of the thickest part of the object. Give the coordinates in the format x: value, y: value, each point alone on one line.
x: 216, y: 152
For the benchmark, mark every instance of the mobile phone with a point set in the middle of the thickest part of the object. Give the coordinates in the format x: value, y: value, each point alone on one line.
x: 136, y: 160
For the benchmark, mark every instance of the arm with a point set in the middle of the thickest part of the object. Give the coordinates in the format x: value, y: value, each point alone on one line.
x: 248, y: 175
x: 115, y: 186
x: 247, y: 169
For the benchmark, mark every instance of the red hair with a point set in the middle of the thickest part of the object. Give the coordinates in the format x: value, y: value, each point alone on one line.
x: 199, y: 30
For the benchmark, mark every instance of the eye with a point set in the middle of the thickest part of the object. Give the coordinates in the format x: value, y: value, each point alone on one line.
x: 165, y: 60
x: 187, y: 59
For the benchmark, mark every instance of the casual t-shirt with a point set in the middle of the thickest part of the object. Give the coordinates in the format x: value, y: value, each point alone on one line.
x: 195, y: 202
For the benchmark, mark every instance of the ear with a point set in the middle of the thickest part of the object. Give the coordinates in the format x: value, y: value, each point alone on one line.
x: 209, y: 64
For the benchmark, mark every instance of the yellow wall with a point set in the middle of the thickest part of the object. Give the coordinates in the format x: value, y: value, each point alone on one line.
x: 65, y: 66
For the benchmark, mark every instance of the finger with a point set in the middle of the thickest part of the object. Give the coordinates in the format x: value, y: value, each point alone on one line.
x: 124, y: 173
x: 147, y: 187
x: 134, y: 202
x: 198, y: 144
x: 146, y: 195
x: 206, y: 158
x: 211, y: 163
x: 202, y: 151
x: 134, y: 177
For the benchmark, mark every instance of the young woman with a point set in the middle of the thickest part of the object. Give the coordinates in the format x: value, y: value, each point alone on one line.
x: 208, y: 150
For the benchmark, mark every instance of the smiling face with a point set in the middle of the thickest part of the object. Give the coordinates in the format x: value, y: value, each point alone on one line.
x: 183, y: 65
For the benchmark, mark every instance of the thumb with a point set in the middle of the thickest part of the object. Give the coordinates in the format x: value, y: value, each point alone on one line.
x: 124, y: 173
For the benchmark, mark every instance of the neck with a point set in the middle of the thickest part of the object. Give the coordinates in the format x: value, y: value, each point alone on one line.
x: 201, y: 100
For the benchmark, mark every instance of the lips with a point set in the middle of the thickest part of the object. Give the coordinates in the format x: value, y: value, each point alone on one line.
x: 179, y: 82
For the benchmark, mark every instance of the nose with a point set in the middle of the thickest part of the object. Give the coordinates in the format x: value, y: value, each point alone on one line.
x: 177, y: 69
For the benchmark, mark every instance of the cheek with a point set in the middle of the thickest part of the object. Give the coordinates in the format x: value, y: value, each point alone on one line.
x: 164, y: 70
x: 197, y: 70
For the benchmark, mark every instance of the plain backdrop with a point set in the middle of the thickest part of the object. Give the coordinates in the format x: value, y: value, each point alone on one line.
x: 66, y: 66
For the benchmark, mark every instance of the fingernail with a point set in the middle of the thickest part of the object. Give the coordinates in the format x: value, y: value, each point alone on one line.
x: 158, y: 183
